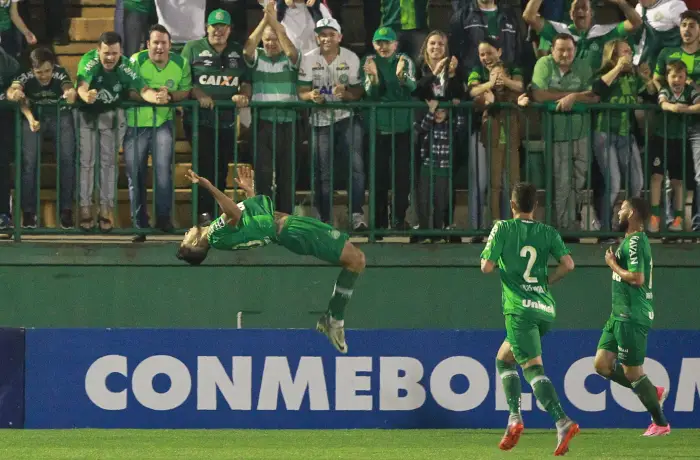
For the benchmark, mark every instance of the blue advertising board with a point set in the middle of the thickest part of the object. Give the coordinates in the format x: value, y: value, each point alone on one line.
x: 170, y: 378
x: 11, y: 378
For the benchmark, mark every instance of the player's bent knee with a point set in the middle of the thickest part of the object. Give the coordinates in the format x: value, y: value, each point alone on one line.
x: 603, y: 362
x: 533, y: 362
x: 633, y: 373
x: 353, y: 258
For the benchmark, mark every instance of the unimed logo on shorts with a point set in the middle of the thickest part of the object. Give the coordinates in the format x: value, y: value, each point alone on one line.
x: 362, y: 383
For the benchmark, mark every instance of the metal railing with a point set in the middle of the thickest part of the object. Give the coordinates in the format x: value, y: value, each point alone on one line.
x: 289, y: 139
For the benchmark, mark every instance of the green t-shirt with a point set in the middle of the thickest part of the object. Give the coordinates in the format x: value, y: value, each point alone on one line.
x: 624, y: 90
x: 140, y: 6
x: 548, y: 76
x: 632, y: 303
x: 112, y: 86
x: 674, y: 121
x: 404, y: 14
x: 522, y: 249
x: 5, y: 20
x: 492, y: 22
x: 668, y: 55
x: 49, y: 94
x: 255, y: 228
x: 590, y: 43
x: 176, y: 76
x: 219, y: 75
x: 274, y: 80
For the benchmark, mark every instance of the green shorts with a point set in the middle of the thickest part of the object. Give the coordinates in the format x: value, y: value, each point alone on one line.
x: 311, y: 237
x: 524, y: 335
x: 627, y: 340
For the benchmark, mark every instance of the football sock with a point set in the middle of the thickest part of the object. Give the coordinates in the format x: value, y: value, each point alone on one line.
x: 656, y: 210
x: 544, y: 391
x: 341, y: 294
x: 646, y: 392
x: 511, y: 385
x: 618, y: 376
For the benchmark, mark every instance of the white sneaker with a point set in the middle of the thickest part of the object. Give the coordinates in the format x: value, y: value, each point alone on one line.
x: 336, y: 334
x: 358, y: 222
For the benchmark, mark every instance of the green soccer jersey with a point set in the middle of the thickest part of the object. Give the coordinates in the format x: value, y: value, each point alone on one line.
x: 140, y: 6
x: 691, y: 61
x: 49, y: 94
x: 219, y: 75
x: 175, y: 76
x: 522, y: 248
x: 404, y: 14
x: 632, y: 303
x: 624, y: 90
x: 675, y: 121
x: 255, y: 228
x: 112, y: 86
x: 481, y: 74
x: 5, y: 20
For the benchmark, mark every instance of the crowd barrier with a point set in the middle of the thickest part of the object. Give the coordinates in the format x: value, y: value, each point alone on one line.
x: 293, y: 171
x: 292, y: 378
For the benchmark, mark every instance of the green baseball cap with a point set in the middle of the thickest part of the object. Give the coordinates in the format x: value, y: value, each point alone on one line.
x: 386, y: 34
x: 219, y: 17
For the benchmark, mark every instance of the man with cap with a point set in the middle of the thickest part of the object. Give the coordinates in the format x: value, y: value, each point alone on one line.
x: 332, y: 73
x: 389, y: 76
x: 219, y: 73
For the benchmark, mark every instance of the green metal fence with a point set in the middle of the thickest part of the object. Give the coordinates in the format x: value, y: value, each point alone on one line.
x: 318, y: 166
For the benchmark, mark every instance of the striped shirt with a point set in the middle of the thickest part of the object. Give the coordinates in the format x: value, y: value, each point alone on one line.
x: 316, y: 72
x: 274, y: 80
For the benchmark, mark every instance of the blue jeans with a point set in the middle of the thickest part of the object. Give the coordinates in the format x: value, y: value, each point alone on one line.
x: 119, y: 19
x: 137, y: 144
x: 347, y: 137
x: 694, y: 137
x: 478, y: 183
x: 31, y: 143
x: 617, y: 156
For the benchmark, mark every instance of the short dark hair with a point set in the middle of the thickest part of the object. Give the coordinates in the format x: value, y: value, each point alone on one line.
x: 491, y: 41
x: 676, y: 66
x: 563, y: 36
x: 109, y: 38
x: 158, y: 28
x: 192, y: 255
x: 691, y: 14
x: 525, y: 196
x: 640, y: 206
x: 40, y: 56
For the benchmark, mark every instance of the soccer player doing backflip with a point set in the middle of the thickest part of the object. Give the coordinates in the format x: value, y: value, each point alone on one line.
x: 623, y: 343
x: 520, y: 248
x: 253, y: 222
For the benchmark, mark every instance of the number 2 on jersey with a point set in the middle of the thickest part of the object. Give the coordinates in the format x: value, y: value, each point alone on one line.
x: 529, y: 251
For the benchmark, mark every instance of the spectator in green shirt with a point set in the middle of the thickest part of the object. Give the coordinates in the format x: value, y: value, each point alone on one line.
x: 561, y: 80
x: 616, y: 151
x: 389, y: 76
x: 153, y: 128
x: 105, y: 77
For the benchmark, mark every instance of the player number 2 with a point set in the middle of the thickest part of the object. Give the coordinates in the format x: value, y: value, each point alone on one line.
x: 529, y: 251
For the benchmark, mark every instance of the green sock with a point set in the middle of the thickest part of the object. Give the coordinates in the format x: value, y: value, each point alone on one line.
x: 511, y: 385
x: 341, y: 294
x: 678, y: 214
x: 646, y: 392
x: 618, y: 376
x: 656, y: 210
x: 544, y: 391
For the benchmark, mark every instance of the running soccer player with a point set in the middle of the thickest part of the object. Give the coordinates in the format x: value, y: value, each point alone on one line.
x: 521, y: 247
x: 253, y: 223
x: 624, y: 336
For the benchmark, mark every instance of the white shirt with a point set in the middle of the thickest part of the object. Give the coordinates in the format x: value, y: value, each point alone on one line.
x: 299, y: 26
x: 663, y: 16
x: 316, y: 72
x: 184, y: 19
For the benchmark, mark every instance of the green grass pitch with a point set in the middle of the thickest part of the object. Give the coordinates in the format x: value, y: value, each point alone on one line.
x: 336, y: 444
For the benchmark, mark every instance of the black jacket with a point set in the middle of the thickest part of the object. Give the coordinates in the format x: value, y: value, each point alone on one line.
x: 469, y: 26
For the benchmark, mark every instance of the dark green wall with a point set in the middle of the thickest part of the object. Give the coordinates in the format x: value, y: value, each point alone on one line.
x: 405, y: 286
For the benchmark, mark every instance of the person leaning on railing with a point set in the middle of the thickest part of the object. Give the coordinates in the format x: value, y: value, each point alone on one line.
x: 274, y: 70
x: 105, y: 78
x: 493, y: 81
x: 38, y: 91
x: 666, y: 149
x: 219, y: 73
x: 561, y: 81
x: 389, y: 76
x: 9, y: 68
x: 615, y: 147
x: 153, y: 129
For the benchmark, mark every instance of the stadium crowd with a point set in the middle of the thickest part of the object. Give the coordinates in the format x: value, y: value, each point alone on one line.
x: 548, y: 52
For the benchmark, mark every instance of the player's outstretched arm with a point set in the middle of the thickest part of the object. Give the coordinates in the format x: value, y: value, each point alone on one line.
x: 228, y: 206
x: 633, y: 278
x: 566, y: 265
